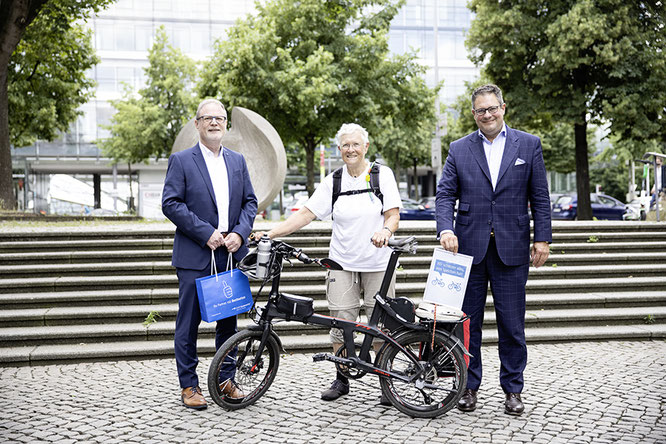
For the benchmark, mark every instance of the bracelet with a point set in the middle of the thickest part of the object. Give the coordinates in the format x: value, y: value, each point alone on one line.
x: 387, y: 228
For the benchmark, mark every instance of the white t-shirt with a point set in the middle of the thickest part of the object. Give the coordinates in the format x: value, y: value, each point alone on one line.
x: 356, y: 218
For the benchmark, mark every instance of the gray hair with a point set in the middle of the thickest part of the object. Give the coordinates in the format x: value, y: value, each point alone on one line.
x: 206, y: 102
x: 488, y: 89
x: 350, y: 128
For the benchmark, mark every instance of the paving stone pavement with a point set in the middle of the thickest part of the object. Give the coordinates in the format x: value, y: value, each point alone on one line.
x: 579, y: 392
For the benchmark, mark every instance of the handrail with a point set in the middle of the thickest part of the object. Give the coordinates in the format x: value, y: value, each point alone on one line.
x: 654, y: 166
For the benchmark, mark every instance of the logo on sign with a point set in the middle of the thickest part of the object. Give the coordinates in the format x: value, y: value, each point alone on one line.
x: 443, y: 267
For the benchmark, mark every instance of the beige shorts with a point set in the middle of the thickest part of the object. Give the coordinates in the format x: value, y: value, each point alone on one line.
x: 346, y: 289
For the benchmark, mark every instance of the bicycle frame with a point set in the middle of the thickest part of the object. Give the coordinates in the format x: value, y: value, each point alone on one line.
x: 370, y: 330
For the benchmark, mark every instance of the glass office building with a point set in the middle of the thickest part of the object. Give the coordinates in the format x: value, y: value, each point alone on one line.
x: 123, y: 34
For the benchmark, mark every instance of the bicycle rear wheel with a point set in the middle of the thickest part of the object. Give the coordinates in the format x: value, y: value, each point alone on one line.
x: 438, y: 379
x: 236, y: 358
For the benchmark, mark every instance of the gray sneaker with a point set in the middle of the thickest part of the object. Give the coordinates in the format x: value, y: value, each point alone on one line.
x: 338, y: 388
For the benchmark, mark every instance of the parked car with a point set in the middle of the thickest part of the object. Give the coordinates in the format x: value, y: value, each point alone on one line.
x: 603, y: 207
x: 553, y: 199
x: 413, y: 210
x: 428, y: 202
x: 295, y: 203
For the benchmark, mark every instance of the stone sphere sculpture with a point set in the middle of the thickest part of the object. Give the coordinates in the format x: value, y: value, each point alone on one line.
x: 260, y: 144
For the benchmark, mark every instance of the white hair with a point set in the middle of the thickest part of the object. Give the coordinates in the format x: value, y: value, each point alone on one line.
x: 351, y: 128
x: 206, y: 102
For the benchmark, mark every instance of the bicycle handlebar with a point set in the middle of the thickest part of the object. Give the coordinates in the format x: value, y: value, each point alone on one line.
x: 287, y: 250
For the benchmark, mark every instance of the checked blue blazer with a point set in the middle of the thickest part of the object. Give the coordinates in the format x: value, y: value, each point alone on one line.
x: 522, y: 179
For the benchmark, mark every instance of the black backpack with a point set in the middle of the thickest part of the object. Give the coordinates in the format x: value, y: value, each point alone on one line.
x: 374, y: 185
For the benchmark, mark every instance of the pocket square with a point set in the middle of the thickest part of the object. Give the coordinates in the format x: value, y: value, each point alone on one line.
x: 519, y: 161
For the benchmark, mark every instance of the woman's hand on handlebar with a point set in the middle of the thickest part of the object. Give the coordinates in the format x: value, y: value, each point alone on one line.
x: 256, y: 236
x: 380, y: 238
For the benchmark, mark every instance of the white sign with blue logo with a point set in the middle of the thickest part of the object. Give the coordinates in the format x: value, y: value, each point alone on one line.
x: 448, y: 277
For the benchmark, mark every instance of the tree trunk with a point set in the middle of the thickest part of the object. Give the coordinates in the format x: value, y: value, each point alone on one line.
x: 15, y: 16
x: 7, y: 198
x: 309, y: 163
x: 584, y: 211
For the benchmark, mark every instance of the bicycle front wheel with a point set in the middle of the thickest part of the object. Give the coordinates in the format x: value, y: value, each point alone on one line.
x: 237, y: 360
x: 438, y: 375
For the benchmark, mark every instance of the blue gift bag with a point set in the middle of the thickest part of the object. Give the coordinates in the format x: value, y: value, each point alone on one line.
x: 223, y: 295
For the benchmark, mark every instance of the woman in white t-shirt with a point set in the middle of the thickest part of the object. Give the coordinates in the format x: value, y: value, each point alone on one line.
x: 361, y: 228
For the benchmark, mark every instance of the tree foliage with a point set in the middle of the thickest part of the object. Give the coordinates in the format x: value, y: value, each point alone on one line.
x: 577, y: 62
x: 556, y: 139
x: 611, y: 176
x: 147, y: 125
x: 47, y: 85
x: 44, y: 53
x: 308, y: 66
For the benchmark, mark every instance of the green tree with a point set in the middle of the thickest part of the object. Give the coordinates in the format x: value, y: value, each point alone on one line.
x: 404, y: 129
x: 556, y: 138
x: 308, y: 66
x: 580, y: 62
x: 611, y: 176
x: 44, y: 54
x: 147, y: 125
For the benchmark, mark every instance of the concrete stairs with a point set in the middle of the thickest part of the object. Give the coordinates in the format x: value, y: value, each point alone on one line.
x: 74, y: 294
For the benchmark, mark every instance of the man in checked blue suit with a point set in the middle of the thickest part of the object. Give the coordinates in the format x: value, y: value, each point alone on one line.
x: 493, y: 173
x: 209, y: 197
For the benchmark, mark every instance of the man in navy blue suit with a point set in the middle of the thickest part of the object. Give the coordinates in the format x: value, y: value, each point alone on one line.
x: 209, y: 197
x: 494, y: 173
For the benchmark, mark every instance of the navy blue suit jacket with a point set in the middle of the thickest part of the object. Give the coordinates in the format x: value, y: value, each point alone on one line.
x: 522, y: 179
x: 189, y: 202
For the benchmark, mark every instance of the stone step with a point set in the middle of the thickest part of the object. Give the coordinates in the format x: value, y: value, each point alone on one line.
x: 66, y: 277
x: 164, y: 329
x: 137, y: 312
x: 19, y: 301
x: 84, y: 249
x: 161, y: 286
x: 656, y: 257
x: 82, y: 260
x: 83, y: 294
x: 55, y: 353
x: 160, y: 236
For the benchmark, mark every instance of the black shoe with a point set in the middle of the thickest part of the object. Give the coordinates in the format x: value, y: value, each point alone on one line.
x: 383, y: 400
x: 468, y: 401
x: 513, y: 404
x: 338, y: 388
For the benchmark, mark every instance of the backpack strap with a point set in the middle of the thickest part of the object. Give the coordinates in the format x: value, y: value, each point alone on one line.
x: 337, y: 180
x: 374, y: 186
x: 374, y: 183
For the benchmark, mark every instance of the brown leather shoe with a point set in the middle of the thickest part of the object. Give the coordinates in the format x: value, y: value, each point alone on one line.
x: 468, y: 401
x: 513, y: 404
x: 231, y: 390
x: 193, y: 399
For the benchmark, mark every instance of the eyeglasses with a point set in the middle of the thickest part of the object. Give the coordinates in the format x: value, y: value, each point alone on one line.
x: 354, y: 145
x: 481, y: 111
x: 209, y: 119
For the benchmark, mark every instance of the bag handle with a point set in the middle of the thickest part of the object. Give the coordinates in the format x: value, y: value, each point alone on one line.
x: 213, y: 265
x: 230, y: 263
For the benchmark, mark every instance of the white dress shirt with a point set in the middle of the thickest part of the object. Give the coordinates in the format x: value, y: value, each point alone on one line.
x: 217, y: 170
x: 494, y: 151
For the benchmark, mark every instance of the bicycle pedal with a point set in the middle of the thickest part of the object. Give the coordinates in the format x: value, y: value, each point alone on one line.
x: 317, y: 357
